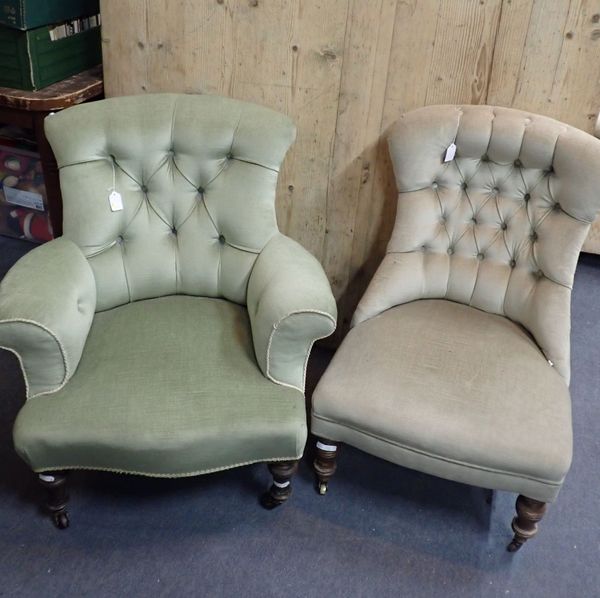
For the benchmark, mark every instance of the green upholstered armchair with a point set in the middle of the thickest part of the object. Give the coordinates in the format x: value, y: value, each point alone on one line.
x: 167, y: 332
x: 457, y: 364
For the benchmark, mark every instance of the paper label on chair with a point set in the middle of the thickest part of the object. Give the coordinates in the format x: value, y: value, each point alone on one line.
x: 116, y: 201
x: 450, y: 152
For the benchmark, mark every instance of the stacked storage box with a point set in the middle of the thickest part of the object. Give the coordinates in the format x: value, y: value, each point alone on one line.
x: 44, y: 42
x: 23, y: 210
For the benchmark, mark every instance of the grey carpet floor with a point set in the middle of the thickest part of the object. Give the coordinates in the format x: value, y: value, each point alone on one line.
x: 380, y: 531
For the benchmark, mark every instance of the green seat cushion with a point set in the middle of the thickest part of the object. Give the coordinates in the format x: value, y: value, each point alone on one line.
x: 165, y: 387
x: 453, y: 391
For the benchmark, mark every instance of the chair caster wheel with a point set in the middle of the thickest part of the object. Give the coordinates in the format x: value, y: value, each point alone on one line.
x: 268, y: 502
x: 514, y: 546
x: 322, y: 488
x: 61, y: 520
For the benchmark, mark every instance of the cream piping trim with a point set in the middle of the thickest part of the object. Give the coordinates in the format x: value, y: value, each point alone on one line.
x: 61, y: 348
x: 187, y: 474
x: 271, y: 336
x: 439, y: 457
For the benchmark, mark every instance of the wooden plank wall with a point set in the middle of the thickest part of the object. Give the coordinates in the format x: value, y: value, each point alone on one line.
x: 344, y: 70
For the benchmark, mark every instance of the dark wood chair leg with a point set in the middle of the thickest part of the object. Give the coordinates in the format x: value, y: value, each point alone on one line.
x: 281, y: 488
x: 325, y: 463
x: 529, y: 514
x: 55, y: 484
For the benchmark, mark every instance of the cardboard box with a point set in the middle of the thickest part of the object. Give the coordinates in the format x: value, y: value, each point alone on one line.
x: 29, y: 14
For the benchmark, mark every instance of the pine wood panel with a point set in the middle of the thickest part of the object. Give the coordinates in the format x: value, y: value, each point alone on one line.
x: 344, y: 70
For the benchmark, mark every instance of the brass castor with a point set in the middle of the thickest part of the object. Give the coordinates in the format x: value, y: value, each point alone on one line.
x: 61, y: 520
x: 324, y: 464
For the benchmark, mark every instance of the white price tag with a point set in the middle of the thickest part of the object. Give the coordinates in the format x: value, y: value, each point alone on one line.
x: 450, y: 152
x: 116, y: 201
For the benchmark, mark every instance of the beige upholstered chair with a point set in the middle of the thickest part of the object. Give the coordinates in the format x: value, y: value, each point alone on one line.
x: 457, y: 364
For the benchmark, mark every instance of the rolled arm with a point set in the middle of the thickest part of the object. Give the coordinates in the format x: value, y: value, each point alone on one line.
x: 290, y: 306
x: 47, y: 303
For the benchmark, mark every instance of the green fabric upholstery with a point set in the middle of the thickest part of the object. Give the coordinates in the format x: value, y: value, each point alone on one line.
x: 169, y: 381
x: 453, y: 391
x: 47, y: 302
x: 165, y: 387
x: 290, y: 307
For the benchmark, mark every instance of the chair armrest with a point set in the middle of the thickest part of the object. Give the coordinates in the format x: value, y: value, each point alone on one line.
x: 47, y: 303
x: 290, y: 305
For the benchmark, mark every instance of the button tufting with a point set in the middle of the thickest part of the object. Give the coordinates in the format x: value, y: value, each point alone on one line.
x: 556, y: 207
x: 485, y: 158
x: 424, y: 247
x: 144, y: 189
x: 539, y: 274
x: 120, y: 239
x: 480, y: 256
x: 504, y: 226
x: 434, y: 185
x: 527, y: 196
x: 221, y: 239
x: 464, y: 186
x: 474, y: 220
x: 230, y: 156
x: 513, y: 263
x: 174, y: 231
x: 495, y: 190
x: 443, y: 219
x: 201, y: 190
x: 450, y: 250
x: 518, y: 163
x: 533, y: 236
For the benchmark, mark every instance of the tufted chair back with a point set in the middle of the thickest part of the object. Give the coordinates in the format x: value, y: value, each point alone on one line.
x: 196, y: 176
x: 499, y: 226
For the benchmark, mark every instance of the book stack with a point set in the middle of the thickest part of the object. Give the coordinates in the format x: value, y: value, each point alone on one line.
x: 73, y: 27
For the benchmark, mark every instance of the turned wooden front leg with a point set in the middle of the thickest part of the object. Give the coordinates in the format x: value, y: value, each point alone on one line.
x: 529, y: 514
x: 55, y: 484
x: 325, y: 463
x: 281, y: 488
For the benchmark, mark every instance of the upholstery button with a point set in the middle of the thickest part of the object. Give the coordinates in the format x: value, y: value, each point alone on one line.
x: 464, y: 186
x: 495, y: 190
x: 504, y: 226
x: 201, y: 190
x: 556, y: 207
x: 434, y: 185
x: 480, y: 256
x: 518, y: 163
x: 120, y: 239
x: 534, y: 236
x: 513, y: 263
x: 424, y: 247
x: 230, y: 156
x: 221, y: 239
x: 450, y: 250
x: 443, y: 219
x: 539, y: 274
x: 485, y: 158
x: 527, y: 196
x: 474, y: 220
x: 144, y: 189
x: 174, y: 231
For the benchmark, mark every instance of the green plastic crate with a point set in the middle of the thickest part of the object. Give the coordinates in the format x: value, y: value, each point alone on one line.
x: 29, y: 14
x: 30, y: 60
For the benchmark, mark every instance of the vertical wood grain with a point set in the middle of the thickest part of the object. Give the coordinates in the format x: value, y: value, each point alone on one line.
x: 344, y: 70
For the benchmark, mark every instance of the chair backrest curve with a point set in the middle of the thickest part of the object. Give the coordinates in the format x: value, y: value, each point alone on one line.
x: 197, y: 177
x: 498, y: 227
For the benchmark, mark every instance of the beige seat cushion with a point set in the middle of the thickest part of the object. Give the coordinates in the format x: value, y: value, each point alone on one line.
x: 453, y: 391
